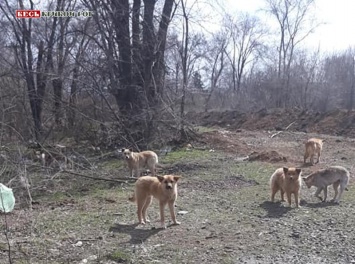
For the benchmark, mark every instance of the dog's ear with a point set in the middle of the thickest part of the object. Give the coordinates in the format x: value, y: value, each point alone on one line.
x: 176, y: 178
x: 122, y: 150
x: 131, y: 150
x: 160, y: 178
x: 285, y: 169
x: 298, y: 170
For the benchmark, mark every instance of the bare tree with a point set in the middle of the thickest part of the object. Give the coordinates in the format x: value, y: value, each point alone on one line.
x: 135, y: 65
x: 339, y: 79
x: 35, y: 74
x: 245, y: 44
x: 217, y: 63
x: 294, y: 26
x: 184, y: 58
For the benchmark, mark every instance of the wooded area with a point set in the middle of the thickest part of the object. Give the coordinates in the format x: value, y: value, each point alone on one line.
x: 130, y: 72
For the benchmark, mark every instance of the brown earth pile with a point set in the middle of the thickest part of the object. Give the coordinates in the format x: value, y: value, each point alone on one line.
x: 337, y: 122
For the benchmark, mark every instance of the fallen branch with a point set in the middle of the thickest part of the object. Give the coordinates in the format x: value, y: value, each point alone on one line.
x: 119, y: 180
x: 279, y: 132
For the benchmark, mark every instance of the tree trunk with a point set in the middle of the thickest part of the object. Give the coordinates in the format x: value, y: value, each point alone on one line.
x: 73, y: 98
x: 137, y: 64
x: 148, y: 50
x: 159, y: 67
x: 124, y: 91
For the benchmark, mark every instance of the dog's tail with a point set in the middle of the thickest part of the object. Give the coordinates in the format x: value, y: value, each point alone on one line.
x: 132, y: 198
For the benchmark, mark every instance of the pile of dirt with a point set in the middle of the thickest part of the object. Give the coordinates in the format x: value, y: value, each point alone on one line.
x: 337, y: 122
x: 225, y: 140
x: 268, y: 156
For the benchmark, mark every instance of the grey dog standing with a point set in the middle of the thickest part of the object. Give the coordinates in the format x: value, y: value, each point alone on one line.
x: 336, y: 175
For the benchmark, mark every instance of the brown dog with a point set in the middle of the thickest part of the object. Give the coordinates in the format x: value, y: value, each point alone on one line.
x: 163, y: 188
x: 138, y: 160
x: 286, y: 180
x: 313, y: 146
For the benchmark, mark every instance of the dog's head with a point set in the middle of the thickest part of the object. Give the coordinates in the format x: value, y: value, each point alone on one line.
x: 127, y: 153
x: 292, y: 174
x: 308, y: 180
x: 168, y: 181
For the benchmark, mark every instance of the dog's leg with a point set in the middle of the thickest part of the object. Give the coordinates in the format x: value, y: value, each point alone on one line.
x: 335, y: 186
x: 131, y: 172
x: 140, y: 205
x: 342, y: 188
x: 297, y: 201
x: 305, y: 157
x: 273, y: 192
x: 162, y: 217
x: 282, y: 195
x: 148, y: 201
x: 325, y: 191
x: 316, y: 194
x: 151, y: 168
x: 288, y: 196
x: 312, y: 159
x: 318, y: 159
x: 172, y: 213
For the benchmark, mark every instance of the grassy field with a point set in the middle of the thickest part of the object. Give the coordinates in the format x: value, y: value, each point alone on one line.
x: 229, y: 218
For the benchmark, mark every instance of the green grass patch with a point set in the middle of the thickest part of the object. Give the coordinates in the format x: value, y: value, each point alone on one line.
x: 258, y: 171
x: 112, y: 164
x: 181, y: 155
x: 119, y: 256
x: 110, y: 194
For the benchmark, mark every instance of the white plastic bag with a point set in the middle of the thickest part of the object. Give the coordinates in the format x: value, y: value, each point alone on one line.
x: 7, y: 199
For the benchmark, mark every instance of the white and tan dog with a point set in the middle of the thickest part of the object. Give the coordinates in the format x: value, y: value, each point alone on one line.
x: 336, y: 175
x: 163, y: 188
x: 138, y: 160
x: 313, y: 146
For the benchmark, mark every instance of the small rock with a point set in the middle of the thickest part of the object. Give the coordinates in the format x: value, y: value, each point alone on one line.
x: 295, y: 235
x: 182, y: 212
x: 92, y: 257
x: 78, y: 244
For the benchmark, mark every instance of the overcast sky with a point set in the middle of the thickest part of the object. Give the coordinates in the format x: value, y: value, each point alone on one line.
x: 338, y: 32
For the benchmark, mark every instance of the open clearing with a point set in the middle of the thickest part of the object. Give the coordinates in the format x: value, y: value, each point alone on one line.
x: 229, y: 217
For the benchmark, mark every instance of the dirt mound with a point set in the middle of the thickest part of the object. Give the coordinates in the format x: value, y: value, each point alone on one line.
x: 269, y: 156
x: 337, y: 122
x: 225, y: 140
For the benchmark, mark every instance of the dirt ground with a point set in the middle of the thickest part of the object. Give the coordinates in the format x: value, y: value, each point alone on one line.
x: 223, y: 205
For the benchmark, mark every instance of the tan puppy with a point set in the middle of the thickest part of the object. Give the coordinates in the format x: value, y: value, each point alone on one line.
x: 163, y: 188
x: 336, y: 175
x: 286, y: 180
x: 138, y: 160
x: 313, y: 146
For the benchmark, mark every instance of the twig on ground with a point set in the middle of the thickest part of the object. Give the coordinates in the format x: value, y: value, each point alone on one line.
x: 279, y: 132
x: 118, y: 180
